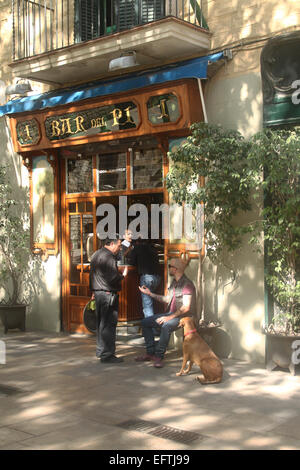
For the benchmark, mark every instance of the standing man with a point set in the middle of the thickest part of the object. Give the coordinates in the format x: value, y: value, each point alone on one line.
x: 105, y: 282
x: 181, y: 300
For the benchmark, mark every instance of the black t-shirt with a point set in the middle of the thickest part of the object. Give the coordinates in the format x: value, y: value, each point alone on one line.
x: 104, y: 274
x: 145, y: 257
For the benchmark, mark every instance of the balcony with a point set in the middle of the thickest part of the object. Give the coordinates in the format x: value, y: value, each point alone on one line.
x: 66, y: 41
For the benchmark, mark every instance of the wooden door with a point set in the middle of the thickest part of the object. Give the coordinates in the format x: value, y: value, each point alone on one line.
x: 79, y: 243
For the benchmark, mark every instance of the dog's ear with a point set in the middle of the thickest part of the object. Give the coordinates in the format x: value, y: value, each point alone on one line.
x: 181, y: 323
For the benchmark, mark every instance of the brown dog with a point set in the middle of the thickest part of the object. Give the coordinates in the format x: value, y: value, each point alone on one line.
x: 195, y: 349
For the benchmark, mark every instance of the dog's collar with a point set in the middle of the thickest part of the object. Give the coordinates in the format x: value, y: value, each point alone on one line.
x: 190, y: 332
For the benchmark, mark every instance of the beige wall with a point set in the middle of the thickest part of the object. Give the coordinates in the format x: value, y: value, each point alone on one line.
x: 6, y: 38
x: 236, y: 298
x: 44, y: 313
x: 233, y: 98
x: 231, y: 21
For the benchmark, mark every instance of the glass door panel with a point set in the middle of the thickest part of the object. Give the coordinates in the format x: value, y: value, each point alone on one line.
x: 81, y: 246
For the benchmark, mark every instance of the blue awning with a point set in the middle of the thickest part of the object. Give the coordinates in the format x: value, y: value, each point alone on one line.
x: 194, y: 68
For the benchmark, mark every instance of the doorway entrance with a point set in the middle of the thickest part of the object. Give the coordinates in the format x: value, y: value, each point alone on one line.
x: 89, y: 181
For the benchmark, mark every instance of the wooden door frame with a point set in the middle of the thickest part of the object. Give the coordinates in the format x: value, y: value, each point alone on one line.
x: 93, y: 196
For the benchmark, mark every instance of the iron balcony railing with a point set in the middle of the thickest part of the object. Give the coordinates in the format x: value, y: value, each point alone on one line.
x: 45, y: 25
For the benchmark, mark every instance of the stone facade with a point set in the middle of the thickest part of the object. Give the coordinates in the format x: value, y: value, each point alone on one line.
x: 233, y: 98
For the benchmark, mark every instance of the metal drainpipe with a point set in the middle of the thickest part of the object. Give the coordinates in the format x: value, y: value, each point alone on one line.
x: 202, y: 99
x: 206, y: 121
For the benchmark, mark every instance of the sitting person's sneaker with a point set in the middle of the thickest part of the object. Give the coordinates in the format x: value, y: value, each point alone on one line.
x: 145, y: 357
x: 158, y: 363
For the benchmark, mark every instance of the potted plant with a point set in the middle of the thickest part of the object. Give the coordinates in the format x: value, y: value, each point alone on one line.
x: 276, y: 154
x: 226, y: 171
x: 211, y: 171
x: 16, y: 260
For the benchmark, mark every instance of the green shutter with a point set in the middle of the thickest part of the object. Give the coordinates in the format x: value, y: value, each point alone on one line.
x: 151, y: 10
x: 128, y: 14
x: 135, y: 12
x: 89, y: 19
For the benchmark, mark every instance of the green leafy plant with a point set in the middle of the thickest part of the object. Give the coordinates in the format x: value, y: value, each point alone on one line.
x: 232, y: 171
x: 16, y: 260
x: 276, y: 154
x: 217, y: 157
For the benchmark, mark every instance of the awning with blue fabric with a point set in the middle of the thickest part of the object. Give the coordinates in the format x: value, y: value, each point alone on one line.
x: 194, y: 68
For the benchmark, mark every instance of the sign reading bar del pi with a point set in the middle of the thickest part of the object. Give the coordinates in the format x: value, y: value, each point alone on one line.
x: 110, y: 118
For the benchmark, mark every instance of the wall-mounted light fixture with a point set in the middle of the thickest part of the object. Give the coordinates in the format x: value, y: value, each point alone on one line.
x: 21, y: 87
x: 126, y: 60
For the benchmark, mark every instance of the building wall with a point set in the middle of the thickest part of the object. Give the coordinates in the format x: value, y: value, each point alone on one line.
x: 233, y: 98
x: 44, y: 313
x: 236, y: 21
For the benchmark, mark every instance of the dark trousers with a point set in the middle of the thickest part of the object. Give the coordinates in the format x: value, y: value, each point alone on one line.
x: 107, y: 305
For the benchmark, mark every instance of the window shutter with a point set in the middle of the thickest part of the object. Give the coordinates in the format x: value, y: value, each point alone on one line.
x: 88, y: 20
x: 128, y: 14
x: 135, y: 12
x: 94, y: 18
x: 151, y: 10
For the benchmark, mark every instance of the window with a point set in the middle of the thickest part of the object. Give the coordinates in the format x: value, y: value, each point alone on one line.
x: 112, y: 172
x: 280, y: 70
x: 147, y: 169
x: 43, y: 187
x: 94, y: 18
x: 79, y: 175
x: 134, y: 12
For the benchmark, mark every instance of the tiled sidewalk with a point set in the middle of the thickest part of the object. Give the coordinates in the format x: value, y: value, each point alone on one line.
x: 55, y: 394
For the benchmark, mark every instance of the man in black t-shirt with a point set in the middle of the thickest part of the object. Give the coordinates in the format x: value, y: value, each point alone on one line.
x: 105, y: 282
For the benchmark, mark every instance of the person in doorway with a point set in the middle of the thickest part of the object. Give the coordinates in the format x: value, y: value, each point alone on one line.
x: 105, y: 283
x: 124, y: 256
x: 145, y: 257
x: 181, y: 300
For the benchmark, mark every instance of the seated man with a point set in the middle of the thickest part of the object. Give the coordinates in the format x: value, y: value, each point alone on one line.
x: 181, y: 300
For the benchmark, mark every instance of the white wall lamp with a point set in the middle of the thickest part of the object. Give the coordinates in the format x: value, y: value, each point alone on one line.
x: 126, y: 60
x: 21, y: 87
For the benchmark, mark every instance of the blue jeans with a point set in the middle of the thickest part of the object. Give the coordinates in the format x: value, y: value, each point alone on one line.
x: 152, y: 282
x: 148, y: 324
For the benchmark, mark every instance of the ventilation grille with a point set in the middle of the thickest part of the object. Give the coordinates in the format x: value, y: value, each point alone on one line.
x: 162, y: 431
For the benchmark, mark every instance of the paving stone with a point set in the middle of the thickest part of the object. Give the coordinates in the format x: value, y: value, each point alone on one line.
x: 69, y: 400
